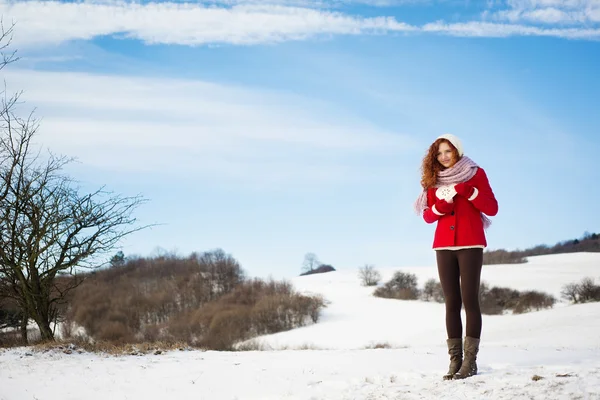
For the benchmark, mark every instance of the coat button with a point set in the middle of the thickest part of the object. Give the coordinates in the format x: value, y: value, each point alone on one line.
x: 452, y: 227
x: 452, y: 213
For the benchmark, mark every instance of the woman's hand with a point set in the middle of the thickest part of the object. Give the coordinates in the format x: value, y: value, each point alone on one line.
x: 443, y: 206
x: 465, y: 190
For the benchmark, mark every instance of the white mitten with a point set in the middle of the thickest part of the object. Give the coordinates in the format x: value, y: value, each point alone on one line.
x: 445, y: 192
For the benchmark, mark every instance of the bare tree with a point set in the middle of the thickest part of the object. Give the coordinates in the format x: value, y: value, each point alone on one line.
x: 570, y: 292
x: 222, y: 271
x: 588, y: 290
x: 48, y: 229
x: 311, y: 262
x: 368, y: 275
x: 6, y: 34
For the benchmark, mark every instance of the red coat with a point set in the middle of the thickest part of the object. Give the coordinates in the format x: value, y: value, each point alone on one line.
x: 463, y: 226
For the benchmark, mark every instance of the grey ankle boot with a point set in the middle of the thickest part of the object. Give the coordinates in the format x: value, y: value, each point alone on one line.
x: 469, y: 365
x: 456, y: 356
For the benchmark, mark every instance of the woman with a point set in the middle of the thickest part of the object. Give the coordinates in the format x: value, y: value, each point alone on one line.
x: 457, y: 194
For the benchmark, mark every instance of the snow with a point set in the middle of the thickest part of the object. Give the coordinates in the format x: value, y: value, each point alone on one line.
x: 335, y: 359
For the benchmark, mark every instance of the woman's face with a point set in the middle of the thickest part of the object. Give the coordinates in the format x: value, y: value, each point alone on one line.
x: 445, y: 155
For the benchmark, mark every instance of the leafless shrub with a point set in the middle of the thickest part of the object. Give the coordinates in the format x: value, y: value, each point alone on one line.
x: 228, y: 327
x: 253, y: 308
x: 115, y: 331
x: 11, y: 338
x: 368, y: 275
x: 533, y: 300
x: 251, y: 345
x: 134, y: 300
x: 380, y: 345
x: 582, y: 292
x: 570, y: 291
x: 432, y: 291
x: 588, y: 291
x: 495, y: 300
x: 402, y: 286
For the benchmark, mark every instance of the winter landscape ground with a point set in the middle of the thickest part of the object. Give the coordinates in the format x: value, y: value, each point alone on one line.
x: 363, y: 348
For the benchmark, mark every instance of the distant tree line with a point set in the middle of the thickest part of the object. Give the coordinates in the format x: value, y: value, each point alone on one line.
x: 589, y: 242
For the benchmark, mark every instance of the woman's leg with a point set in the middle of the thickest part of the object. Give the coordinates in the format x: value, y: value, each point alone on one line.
x: 470, y: 262
x: 449, y: 273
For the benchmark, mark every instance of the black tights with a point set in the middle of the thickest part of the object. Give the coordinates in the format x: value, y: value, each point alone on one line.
x: 460, y: 272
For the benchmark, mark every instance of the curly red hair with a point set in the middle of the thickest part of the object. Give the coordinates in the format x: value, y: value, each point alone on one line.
x: 431, y: 166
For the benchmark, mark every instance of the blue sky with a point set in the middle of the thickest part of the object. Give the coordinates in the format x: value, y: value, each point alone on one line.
x: 275, y: 128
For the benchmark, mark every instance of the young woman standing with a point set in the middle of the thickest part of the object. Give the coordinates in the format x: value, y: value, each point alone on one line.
x: 457, y: 195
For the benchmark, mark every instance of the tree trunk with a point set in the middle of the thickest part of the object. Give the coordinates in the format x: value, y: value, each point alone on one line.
x: 42, y: 319
x: 24, y: 321
x: 45, y: 332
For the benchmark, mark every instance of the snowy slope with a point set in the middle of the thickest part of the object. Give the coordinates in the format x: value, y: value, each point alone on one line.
x: 561, y: 345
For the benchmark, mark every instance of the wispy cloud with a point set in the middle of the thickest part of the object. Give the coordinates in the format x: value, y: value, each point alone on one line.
x: 570, y: 12
x: 487, y: 29
x: 246, y: 22
x: 323, y: 3
x: 193, y: 127
x: 184, y: 24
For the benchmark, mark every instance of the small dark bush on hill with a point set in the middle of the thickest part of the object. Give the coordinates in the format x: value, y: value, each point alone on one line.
x: 402, y: 286
x: 319, y: 270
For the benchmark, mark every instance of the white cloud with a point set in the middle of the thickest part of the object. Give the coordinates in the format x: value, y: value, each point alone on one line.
x: 187, y: 24
x: 487, y: 29
x: 246, y: 22
x: 142, y: 124
x: 574, y: 12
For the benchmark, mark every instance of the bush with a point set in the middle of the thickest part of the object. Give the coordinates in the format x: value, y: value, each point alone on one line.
x: 533, y: 300
x: 583, y: 292
x: 402, y: 286
x: 588, y: 291
x: 115, y: 332
x: 228, y: 327
x: 253, y: 308
x: 133, y: 300
x: 369, y: 276
x: 321, y: 269
x: 432, y: 291
x: 190, y: 300
x: 497, y: 300
x: 570, y: 291
x: 10, y: 317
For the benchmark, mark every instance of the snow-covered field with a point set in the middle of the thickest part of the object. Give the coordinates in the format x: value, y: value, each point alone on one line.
x: 336, y: 359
